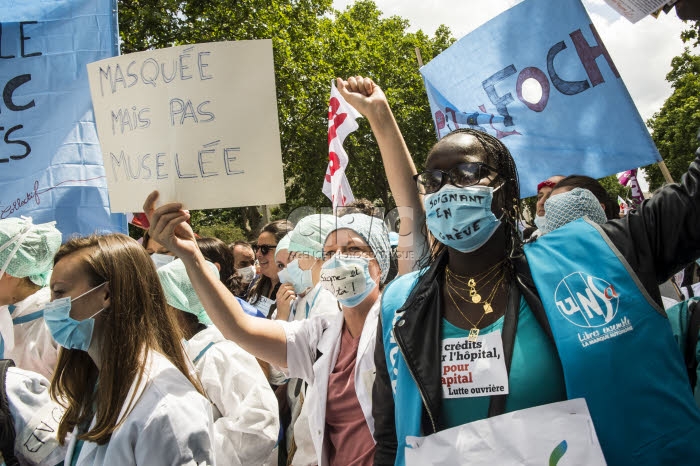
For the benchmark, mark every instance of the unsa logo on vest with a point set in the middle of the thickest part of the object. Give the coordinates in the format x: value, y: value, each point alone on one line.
x: 586, y: 301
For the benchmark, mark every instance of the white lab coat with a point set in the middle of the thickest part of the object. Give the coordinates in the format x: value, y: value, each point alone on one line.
x: 34, y: 348
x: 246, y: 419
x: 317, y: 302
x: 35, y: 417
x: 322, y: 334
x: 170, y: 424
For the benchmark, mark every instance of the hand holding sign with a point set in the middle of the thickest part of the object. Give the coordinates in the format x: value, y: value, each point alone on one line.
x: 169, y: 227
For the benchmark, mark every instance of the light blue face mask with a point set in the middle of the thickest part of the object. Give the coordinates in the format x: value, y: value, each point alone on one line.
x: 348, y: 278
x: 461, y: 218
x: 294, y: 275
x: 540, y: 222
x: 68, y: 332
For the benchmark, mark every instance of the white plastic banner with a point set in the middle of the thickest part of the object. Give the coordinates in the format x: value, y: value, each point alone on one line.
x: 558, y: 433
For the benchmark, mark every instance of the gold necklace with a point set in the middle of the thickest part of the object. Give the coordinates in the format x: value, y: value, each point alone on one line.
x: 474, y: 331
x: 471, y: 282
x: 487, y: 309
x: 487, y: 303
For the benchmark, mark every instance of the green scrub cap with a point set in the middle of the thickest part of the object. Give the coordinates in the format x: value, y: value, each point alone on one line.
x: 310, y: 233
x: 179, y: 292
x: 27, y: 250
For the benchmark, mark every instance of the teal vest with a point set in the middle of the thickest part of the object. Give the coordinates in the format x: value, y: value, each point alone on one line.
x: 616, y: 348
x: 615, y: 344
x: 408, y: 406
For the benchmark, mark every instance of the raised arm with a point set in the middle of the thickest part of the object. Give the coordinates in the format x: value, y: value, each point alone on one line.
x: 262, y: 338
x: 370, y: 101
x: 662, y: 235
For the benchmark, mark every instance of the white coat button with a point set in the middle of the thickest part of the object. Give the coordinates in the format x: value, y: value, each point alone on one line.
x: 401, y: 322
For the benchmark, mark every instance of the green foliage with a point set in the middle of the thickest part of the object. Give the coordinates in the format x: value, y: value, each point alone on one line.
x: 692, y: 35
x: 675, y: 126
x: 226, y: 233
x: 312, y: 44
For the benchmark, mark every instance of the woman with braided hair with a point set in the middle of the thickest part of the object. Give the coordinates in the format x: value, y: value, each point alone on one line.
x: 575, y: 314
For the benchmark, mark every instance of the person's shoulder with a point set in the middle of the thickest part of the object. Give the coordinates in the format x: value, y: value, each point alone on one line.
x: 402, y: 281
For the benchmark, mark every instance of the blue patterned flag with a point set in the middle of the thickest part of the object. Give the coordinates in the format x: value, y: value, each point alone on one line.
x: 539, y: 78
x: 50, y: 159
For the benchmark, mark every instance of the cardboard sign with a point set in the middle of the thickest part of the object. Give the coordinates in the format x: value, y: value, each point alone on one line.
x: 197, y: 122
x: 50, y: 161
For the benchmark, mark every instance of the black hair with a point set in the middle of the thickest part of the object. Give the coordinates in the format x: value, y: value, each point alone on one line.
x: 506, y: 199
x: 215, y: 250
x: 612, y: 210
x: 279, y: 228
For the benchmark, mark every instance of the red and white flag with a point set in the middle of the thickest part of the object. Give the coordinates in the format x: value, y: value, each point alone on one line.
x: 624, y: 207
x: 341, y: 122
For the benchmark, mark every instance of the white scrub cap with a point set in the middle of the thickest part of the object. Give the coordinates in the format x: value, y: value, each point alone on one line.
x: 310, y: 233
x: 283, y: 244
x: 375, y: 234
x: 179, y: 292
x: 27, y: 250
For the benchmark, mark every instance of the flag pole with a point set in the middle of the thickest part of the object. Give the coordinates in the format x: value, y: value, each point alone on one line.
x: 666, y: 173
x: 420, y: 59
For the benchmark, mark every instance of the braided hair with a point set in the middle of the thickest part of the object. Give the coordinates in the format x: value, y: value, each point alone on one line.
x: 506, y: 199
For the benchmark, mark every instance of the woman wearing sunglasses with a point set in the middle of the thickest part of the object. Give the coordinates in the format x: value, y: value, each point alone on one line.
x: 335, y: 355
x: 263, y: 291
x: 576, y: 314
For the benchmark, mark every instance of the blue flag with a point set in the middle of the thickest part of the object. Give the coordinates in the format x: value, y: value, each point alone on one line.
x: 50, y: 159
x: 539, y: 78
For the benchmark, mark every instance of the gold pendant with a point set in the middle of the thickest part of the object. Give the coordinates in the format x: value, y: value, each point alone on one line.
x: 473, y: 334
x: 476, y: 298
x: 471, y: 283
x: 487, y: 308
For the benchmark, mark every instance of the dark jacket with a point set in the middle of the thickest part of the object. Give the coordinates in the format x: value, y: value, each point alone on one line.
x: 657, y: 240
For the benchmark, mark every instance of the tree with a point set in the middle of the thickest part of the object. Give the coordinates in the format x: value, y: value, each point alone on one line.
x: 312, y: 44
x: 675, y: 126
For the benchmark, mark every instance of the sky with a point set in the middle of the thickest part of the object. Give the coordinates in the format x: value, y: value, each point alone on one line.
x: 642, y: 52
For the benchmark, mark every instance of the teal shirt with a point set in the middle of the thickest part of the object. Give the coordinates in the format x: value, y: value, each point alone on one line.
x: 533, y: 381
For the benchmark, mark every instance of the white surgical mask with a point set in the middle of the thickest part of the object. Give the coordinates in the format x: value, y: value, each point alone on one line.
x: 161, y: 259
x: 247, y: 274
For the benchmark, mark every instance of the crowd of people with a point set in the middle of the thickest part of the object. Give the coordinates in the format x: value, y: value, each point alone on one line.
x: 322, y: 343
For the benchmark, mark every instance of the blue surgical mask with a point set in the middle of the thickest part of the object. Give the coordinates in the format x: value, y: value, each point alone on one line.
x: 348, y: 278
x: 68, y: 332
x: 539, y: 221
x: 294, y: 275
x: 461, y: 218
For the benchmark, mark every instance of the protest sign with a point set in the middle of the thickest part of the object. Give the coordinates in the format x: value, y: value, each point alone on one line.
x: 536, y: 436
x: 634, y: 10
x: 539, y: 78
x: 197, y: 122
x: 474, y: 367
x: 50, y: 160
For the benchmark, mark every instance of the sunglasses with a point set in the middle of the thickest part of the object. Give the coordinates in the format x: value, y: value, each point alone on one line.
x: 264, y: 248
x: 463, y: 175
